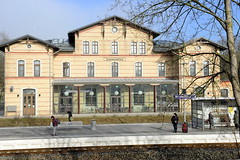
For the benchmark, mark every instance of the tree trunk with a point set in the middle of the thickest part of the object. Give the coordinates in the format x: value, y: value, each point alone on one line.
x: 234, y: 77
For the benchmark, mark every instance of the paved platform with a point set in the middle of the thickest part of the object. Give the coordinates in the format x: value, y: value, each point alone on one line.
x: 109, y: 135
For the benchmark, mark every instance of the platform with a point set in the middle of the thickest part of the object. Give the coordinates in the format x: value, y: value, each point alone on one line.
x: 15, y: 138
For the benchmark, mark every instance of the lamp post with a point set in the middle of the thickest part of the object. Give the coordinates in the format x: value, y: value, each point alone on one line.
x: 183, y: 92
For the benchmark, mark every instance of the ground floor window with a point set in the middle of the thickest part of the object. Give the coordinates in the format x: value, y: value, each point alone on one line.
x: 114, y: 98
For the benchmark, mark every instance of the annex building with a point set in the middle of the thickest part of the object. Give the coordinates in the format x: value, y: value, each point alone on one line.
x: 109, y: 66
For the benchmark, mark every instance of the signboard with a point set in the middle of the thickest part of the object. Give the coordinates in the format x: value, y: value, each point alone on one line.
x: 185, y: 96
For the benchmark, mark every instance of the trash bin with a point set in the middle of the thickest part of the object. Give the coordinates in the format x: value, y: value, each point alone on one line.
x: 184, y: 127
x: 93, y: 125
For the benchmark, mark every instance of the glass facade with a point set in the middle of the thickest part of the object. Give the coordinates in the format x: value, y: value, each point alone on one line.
x: 115, y: 98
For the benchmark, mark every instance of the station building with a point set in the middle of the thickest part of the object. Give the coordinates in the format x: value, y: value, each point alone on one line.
x: 109, y: 66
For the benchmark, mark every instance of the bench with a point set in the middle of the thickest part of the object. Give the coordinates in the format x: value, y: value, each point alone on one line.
x: 73, y: 123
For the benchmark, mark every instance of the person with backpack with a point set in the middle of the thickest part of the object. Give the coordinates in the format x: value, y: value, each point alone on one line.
x: 54, y: 124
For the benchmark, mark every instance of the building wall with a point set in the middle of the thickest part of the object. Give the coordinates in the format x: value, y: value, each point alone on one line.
x: 41, y: 84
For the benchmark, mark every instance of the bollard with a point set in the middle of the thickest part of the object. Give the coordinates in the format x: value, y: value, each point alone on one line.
x: 93, y: 125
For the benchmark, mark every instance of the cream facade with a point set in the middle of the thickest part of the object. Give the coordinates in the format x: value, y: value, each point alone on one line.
x: 110, y: 66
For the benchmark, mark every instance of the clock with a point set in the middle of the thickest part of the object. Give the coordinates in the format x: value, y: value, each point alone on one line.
x: 29, y: 46
x: 114, y: 29
x: 197, y: 48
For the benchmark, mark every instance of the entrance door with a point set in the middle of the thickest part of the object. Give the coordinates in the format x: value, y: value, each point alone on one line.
x: 28, y: 102
x: 116, y: 104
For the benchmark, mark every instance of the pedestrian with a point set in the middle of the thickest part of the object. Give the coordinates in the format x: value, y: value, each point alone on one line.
x: 227, y: 120
x: 54, y: 124
x: 69, y: 116
x: 236, y: 119
x: 174, y: 120
x: 210, y: 118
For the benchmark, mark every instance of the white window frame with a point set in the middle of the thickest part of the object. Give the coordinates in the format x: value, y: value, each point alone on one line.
x: 24, y: 68
x: 94, y: 66
x: 40, y: 67
x: 84, y: 50
x: 113, y: 48
x: 63, y: 69
x: 133, y: 47
x: 160, y: 63
x: 135, y: 73
x: 142, y: 47
x: 195, y: 68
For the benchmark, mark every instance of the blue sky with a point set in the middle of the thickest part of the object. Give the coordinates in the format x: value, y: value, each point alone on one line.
x: 48, y: 19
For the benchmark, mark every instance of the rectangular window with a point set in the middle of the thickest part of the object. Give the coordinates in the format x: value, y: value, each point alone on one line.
x: 114, y: 47
x: 21, y: 68
x: 133, y: 47
x: 192, y: 68
x: 114, y: 69
x: 138, y: 95
x: 161, y: 69
x: 224, y: 92
x: 91, y: 97
x: 85, y: 47
x: 36, y: 68
x: 90, y: 69
x: 142, y: 48
x: 138, y: 69
x: 94, y: 47
x: 205, y: 68
x: 66, y: 69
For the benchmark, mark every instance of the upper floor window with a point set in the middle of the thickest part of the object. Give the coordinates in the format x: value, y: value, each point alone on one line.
x: 142, y: 48
x: 36, y: 68
x: 66, y: 69
x: 90, y: 69
x: 94, y: 47
x: 192, y: 68
x: 199, y: 91
x: 205, y: 68
x: 21, y: 68
x: 161, y: 69
x: 114, y: 69
x: 114, y: 47
x: 85, y: 47
x: 138, y: 69
x: 224, y: 92
x: 133, y: 47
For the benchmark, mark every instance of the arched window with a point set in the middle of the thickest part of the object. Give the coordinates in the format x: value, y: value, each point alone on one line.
x: 90, y: 69
x: 138, y: 69
x: 161, y: 69
x: 205, y: 68
x: 94, y: 47
x: 36, y: 68
x: 21, y: 68
x: 66, y: 69
x: 85, y: 47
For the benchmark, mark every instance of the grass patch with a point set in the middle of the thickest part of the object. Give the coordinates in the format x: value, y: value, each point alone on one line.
x: 45, y: 121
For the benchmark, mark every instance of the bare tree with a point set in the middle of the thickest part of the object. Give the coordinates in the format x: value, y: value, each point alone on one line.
x: 183, y: 19
x: 3, y: 38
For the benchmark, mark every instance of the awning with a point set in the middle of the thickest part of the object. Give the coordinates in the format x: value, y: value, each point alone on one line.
x: 72, y: 81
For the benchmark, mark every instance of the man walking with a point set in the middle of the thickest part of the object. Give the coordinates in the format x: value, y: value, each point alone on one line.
x: 54, y: 124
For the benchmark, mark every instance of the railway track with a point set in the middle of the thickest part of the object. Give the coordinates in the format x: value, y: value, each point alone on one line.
x: 117, y: 148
